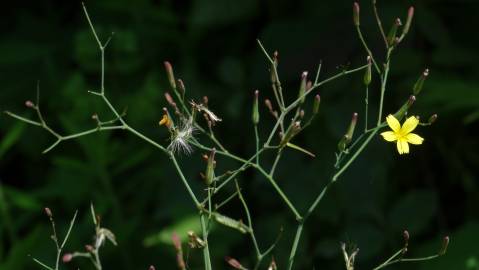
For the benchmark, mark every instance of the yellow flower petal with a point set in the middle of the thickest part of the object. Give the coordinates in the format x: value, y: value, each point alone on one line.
x: 414, y: 138
x: 389, y: 136
x: 402, y: 146
x: 393, y: 123
x: 409, y: 125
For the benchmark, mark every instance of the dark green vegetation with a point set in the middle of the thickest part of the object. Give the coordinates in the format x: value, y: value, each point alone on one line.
x: 431, y: 192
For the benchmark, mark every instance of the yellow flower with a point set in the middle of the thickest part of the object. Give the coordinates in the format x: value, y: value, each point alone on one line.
x: 402, y: 134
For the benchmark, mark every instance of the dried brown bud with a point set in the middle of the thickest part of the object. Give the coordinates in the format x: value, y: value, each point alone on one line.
x: 29, y: 104
x: 205, y: 100
x: 356, y: 13
x: 94, y: 116
x: 67, y: 257
x: 48, y: 212
x: 151, y: 267
x: 432, y: 119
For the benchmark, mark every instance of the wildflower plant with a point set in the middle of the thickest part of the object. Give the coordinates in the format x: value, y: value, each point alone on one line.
x: 185, y: 118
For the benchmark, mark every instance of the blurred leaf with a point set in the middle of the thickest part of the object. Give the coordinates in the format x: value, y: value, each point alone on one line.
x: 414, y: 211
x: 181, y: 227
x: 462, y: 252
x: 11, y: 137
x: 18, y: 256
x: 21, y: 199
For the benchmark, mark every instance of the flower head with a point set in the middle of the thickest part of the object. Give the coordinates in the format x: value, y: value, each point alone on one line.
x: 402, y: 134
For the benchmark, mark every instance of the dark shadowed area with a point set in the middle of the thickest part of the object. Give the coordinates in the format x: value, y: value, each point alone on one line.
x: 432, y: 192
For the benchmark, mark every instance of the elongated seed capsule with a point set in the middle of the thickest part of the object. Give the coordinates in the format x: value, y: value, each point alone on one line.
x: 356, y: 13
x: 170, y: 74
x: 392, y: 33
x: 316, y: 102
x: 407, y: 25
x: 302, y: 87
x: 420, y: 82
x: 255, y: 114
x: 210, y: 168
x: 229, y: 222
x: 368, y: 73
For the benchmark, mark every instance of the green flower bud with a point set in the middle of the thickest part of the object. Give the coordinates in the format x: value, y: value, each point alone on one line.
x: 170, y: 74
x: 410, y: 15
x: 255, y: 115
x: 210, y: 168
x: 392, y: 33
x: 317, y: 101
x: 302, y: 87
x: 356, y: 13
x: 420, y: 82
x: 368, y: 73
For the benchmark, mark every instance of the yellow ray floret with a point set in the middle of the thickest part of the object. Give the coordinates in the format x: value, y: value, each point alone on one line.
x: 402, y: 134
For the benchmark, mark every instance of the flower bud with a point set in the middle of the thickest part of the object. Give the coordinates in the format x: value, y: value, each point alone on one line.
x: 210, y: 167
x: 274, y: 65
x: 151, y: 267
x: 445, y: 243
x: 176, y: 242
x: 302, y: 87
x: 368, y: 73
x: 352, y: 126
x: 181, y: 87
x: 294, y: 129
x: 420, y: 82
x: 272, y: 265
x: 392, y: 33
x: 405, y: 107
x: 349, y: 134
x: 48, y: 212
x: 432, y: 119
x: 316, y: 102
x: 29, y: 104
x: 356, y: 13
x: 170, y: 74
x: 255, y: 114
x: 169, y: 99
x: 67, y: 257
x: 407, y: 25
x: 89, y: 248
x: 234, y: 263
x: 301, y: 114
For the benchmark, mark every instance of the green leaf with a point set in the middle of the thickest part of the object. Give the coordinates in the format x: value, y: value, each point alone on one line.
x: 414, y: 211
x: 190, y: 223
x: 11, y: 137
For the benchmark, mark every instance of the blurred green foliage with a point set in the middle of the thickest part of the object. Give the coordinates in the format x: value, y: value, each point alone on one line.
x: 432, y: 192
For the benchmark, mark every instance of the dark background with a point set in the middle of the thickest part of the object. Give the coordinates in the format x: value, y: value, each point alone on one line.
x: 432, y: 192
